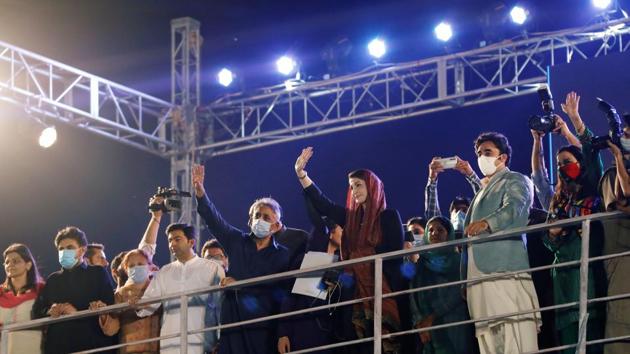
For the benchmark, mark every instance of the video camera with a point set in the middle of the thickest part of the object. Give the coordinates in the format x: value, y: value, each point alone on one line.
x: 172, y: 199
x: 615, y: 130
x: 546, y: 122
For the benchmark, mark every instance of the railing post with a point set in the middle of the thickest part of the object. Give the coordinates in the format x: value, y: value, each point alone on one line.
x: 586, y: 231
x: 183, y: 324
x: 4, y: 342
x: 378, y: 303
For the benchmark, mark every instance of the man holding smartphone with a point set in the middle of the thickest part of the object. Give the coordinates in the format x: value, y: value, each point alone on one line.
x: 437, y: 166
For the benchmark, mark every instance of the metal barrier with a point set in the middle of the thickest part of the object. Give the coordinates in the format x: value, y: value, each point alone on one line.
x: 378, y: 259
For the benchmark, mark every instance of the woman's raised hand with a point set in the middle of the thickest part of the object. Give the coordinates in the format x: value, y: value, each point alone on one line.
x: 302, y: 160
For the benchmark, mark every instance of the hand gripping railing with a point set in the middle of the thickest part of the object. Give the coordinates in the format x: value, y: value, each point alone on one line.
x: 378, y: 259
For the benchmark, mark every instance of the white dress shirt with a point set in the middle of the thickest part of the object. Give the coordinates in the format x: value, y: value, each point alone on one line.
x: 196, y: 273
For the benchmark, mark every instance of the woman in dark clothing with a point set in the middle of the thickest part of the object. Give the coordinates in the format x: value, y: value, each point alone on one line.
x: 442, y: 305
x: 369, y: 228
x: 579, y: 171
x: 318, y: 328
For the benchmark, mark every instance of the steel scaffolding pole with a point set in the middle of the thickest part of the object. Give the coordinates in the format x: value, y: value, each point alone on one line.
x: 185, y: 96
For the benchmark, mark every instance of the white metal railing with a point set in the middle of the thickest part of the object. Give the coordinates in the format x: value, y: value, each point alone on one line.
x: 584, y: 221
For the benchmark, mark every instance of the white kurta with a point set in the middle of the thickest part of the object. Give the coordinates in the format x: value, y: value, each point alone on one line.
x: 21, y: 341
x: 502, y: 296
x: 176, y: 277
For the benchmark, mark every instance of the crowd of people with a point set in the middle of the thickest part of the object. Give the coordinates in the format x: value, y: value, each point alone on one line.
x: 366, y: 225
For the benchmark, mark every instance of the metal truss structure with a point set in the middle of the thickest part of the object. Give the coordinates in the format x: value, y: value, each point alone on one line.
x: 384, y: 93
x: 185, y: 95
x: 51, y: 91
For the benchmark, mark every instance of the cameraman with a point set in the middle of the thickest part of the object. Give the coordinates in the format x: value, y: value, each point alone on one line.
x: 615, y: 191
x: 540, y: 177
x: 579, y: 170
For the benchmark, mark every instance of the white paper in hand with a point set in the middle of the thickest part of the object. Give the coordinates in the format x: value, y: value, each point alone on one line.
x: 310, y: 286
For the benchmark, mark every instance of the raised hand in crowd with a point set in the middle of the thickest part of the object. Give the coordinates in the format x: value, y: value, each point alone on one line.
x: 156, y: 200
x: 571, y: 107
x: 435, y: 168
x: 198, y: 174
x: 301, y: 163
x: 463, y: 167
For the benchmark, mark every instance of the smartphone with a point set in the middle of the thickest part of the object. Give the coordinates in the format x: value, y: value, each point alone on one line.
x: 448, y: 162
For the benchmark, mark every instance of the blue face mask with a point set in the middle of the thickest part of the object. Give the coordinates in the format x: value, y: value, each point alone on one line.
x: 67, y: 258
x: 261, y: 228
x: 457, y: 219
x: 418, y: 240
x: 139, y: 274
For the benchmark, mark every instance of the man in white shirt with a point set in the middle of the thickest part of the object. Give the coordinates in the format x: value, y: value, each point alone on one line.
x: 187, y: 272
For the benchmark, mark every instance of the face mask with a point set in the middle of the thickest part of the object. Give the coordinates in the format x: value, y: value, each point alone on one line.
x: 570, y: 171
x: 625, y: 144
x: 418, y: 240
x: 457, y: 219
x: 67, y: 258
x: 261, y: 228
x: 486, y: 165
x: 139, y: 274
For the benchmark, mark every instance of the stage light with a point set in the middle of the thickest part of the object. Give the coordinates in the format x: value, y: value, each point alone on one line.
x: 286, y: 65
x: 518, y: 15
x: 443, y: 32
x: 377, y: 48
x: 602, y: 4
x: 225, y: 77
x: 48, y: 137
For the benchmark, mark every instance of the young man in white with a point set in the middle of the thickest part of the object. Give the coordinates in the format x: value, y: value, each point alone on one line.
x: 187, y: 272
x: 502, y: 203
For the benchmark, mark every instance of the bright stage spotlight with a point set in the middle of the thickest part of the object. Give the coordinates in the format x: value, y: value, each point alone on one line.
x: 602, y: 4
x: 377, y: 48
x: 225, y: 77
x: 48, y: 137
x: 518, y: 15
x: 286, y: 65
x: 443, y: 31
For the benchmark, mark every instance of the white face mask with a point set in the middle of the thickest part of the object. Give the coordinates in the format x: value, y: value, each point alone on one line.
x: 486, y: 165
x: 625, y: 143
x: 261, y: 228
x: 457, y: 219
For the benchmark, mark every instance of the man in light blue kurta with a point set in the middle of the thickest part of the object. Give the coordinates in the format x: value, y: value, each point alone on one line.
x: 503, y: 203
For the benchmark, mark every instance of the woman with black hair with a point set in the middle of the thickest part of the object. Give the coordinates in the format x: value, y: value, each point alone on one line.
x: 17, y: 296
x: 579, y: 171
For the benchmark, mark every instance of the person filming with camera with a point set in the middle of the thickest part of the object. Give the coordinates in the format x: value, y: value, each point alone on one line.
x: 614, y: 189
x: 579, y: 170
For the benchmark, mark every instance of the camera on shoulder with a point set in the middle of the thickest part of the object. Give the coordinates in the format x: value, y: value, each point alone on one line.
x: 172, y: 199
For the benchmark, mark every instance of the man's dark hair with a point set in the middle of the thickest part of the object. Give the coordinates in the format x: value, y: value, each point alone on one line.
x: 499, y: 140
x: 93, y: 248
x: 214, y: 243
x: 71, y: 232
x: 417, y: 220
x: 188, y: 230
x: 459, y: 200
